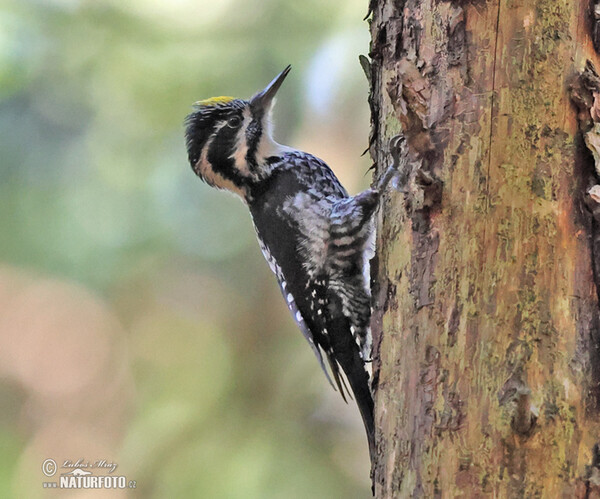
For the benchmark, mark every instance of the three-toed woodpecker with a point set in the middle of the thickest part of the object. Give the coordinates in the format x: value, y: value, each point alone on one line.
x: 316, y: 238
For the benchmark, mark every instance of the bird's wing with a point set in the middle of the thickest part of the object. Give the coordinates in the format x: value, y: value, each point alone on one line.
x: 296, y: 314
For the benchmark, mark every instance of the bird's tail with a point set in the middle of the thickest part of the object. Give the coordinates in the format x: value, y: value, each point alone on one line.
x: 358, y: 378
x: 346, y: 354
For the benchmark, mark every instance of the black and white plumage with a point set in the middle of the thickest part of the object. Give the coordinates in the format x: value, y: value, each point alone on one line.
x: 316, y: 238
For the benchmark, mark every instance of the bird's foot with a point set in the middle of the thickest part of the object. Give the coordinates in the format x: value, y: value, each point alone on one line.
x: 399, y: 168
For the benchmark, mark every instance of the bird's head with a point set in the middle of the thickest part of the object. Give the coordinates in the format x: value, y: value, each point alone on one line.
x: 229, y: 140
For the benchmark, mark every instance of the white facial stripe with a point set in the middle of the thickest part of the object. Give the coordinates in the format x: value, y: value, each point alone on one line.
x: 241, y: 148
x: 203, y: 161
x: 210, y: 176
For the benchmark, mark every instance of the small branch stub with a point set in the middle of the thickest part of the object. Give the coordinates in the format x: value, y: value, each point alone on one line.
x: 516, y: 397
x: 524, y: 419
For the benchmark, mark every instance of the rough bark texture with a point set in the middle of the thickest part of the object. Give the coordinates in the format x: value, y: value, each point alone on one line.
x: 486, y: 323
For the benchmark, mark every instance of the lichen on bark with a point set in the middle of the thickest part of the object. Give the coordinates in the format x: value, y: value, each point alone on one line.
x: 486, y: 313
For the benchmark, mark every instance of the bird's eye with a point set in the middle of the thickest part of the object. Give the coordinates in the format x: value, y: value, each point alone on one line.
x: 234, y: 121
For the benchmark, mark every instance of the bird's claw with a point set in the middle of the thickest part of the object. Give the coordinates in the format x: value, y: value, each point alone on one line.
x: 399, y: 153
x: 398, y: 149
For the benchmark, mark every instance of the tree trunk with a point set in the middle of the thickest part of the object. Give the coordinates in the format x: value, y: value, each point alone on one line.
x: 486, y: 323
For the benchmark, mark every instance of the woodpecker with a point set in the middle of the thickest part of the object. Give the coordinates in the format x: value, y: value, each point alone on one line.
x: 316, y: 238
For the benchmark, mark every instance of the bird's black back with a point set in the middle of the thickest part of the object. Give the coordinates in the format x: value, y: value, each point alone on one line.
x: 314, y: 304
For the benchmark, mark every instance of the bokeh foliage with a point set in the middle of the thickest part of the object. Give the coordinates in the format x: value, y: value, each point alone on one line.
x: 140, y: 321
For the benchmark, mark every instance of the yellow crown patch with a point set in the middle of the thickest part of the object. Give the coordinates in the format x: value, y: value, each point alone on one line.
x: 214, y: 101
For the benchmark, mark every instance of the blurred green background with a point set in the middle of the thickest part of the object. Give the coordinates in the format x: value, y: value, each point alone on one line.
x: 139, y: 322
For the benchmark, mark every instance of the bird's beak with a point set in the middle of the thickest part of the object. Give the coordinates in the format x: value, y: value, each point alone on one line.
x: 264, y: 98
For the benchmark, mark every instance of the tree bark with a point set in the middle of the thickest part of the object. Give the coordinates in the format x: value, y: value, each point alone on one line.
x: 486, y: 320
